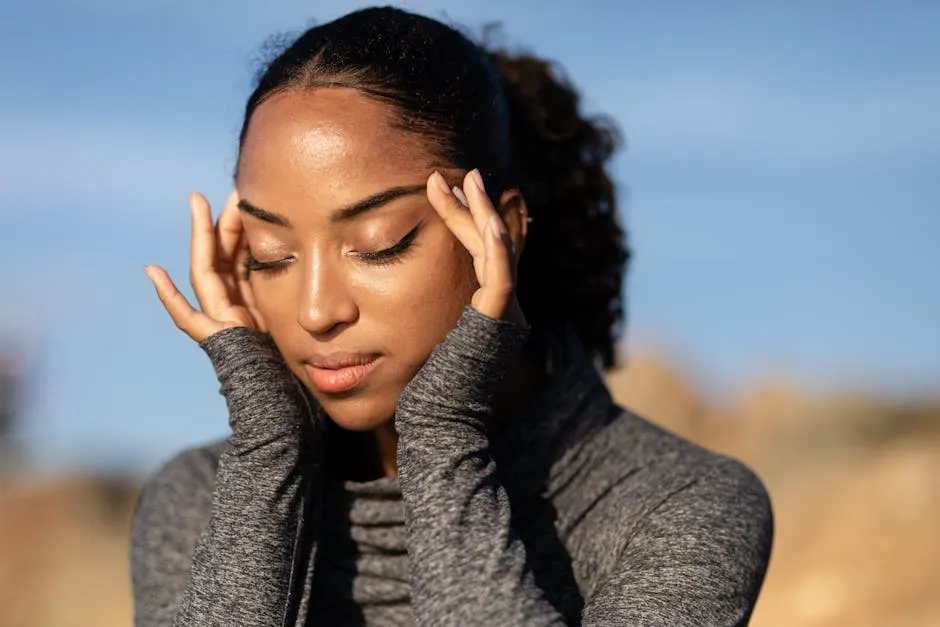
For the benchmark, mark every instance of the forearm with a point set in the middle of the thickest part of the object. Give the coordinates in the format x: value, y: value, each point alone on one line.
x: 468, y: 566
x: 242, y: 564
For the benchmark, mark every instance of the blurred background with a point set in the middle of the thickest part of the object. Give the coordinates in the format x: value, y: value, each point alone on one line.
x: 782, y: 187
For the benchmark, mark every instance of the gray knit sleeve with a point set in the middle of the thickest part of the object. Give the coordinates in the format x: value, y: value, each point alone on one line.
x: 241, y: 565
x: 467, y: 566
x: 695, y: 558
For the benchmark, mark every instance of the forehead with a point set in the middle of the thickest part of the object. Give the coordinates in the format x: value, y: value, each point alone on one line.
x: 328, y: 141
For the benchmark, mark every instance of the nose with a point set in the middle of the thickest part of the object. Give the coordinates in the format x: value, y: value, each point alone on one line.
x: 326, y: 304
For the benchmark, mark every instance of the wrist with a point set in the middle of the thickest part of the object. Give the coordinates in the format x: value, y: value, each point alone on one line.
x: 235, y: 348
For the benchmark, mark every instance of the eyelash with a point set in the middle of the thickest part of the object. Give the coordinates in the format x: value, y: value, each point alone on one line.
x: 271, y: 268
x: 392, y: 254
x: 386, y: 256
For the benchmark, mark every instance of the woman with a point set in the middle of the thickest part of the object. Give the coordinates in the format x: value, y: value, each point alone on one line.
x: 419, y: 434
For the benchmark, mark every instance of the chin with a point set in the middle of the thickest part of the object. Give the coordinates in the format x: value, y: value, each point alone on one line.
x: 358, y: 414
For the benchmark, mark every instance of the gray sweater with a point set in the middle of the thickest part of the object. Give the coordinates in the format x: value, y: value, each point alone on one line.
x: 578, y: 513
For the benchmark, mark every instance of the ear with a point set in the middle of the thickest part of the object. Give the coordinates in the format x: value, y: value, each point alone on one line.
x: 515, y: 214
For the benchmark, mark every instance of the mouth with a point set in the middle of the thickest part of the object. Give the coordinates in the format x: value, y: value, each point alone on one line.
x: 340, y: 374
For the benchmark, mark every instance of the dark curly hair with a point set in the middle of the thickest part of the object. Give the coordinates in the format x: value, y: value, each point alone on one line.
x: 575, y: 257
x: 515, y: 118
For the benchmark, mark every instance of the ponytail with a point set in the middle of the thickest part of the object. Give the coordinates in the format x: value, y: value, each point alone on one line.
x: 575, y: 258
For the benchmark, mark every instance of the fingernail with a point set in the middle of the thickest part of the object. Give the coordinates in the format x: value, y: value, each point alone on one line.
x: 478, y: 179
x: 439, y: 180
x: 461, y: 196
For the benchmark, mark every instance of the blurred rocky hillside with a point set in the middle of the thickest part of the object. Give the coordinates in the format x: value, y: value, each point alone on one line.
x: 855, y: 482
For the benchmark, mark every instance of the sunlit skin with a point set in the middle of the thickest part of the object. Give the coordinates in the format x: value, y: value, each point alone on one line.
x: 307, y: 155
x: 385, y: 281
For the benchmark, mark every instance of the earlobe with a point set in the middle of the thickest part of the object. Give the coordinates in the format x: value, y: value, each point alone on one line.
x: 515, y: 214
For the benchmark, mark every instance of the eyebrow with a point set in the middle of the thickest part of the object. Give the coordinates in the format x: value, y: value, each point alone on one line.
x: 340, y: 215
x: 263, y: 215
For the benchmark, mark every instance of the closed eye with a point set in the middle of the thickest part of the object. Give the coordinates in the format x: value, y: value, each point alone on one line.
x: 391, y: 254
x: 269, y: 267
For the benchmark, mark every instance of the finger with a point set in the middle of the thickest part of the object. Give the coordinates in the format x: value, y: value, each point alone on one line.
x: 203, y: 273
x: 461, y: 196
x: 202, y: 235
x: 192, y: 322
x: 496, y: 289
x: 229, y: 231
x: 454, y: 214
x: 480, y: 206
x: 243, y: 283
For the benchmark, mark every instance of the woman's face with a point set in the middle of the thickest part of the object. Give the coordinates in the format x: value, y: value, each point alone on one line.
x: 355, y: 275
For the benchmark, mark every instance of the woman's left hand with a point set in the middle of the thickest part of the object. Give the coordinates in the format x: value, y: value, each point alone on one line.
x: 484, y: 235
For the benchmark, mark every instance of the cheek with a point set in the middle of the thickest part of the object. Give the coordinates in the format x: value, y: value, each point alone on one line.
x: 425, y: 294
x: 276, y: 301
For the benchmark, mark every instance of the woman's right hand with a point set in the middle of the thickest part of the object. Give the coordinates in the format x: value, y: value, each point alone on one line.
x: 217, y: 274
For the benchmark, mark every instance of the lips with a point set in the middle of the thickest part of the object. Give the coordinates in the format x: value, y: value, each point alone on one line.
x: 339, y: 372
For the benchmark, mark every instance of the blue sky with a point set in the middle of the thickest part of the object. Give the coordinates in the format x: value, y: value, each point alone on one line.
x: 782, y: 168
